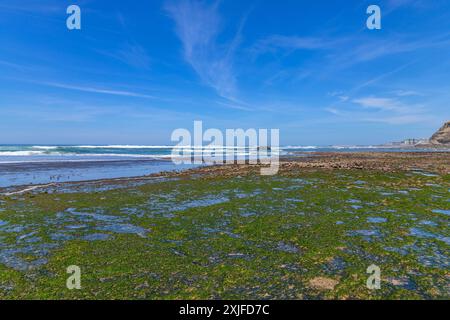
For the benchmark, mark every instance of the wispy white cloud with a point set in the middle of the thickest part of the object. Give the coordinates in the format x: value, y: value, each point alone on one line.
x: 361, y: 50
x: 198, y: 26
x: 393, y: 110
x: 282, y: 42
x: 339, y: 95
x: 98, y: 90
x: 336, y: 54
x: 333, y: 111
x: 383, y: 117
x: 384, y: 104
x: 56, y: 113
x: 401, y: 119
x: 406, y: 93
x: 378, y: 78
x: 11, y: 65
x: 232, y: 105
x: 131, y: 54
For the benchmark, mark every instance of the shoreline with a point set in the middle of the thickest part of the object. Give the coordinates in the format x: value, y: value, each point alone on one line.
x: 431, y: 162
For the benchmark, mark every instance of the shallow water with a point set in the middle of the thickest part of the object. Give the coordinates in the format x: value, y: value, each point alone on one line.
x: 428, y: 223
x: 424, y: 173
x: 287, y: 247
x: 96, y: 237
x: 9, y: 256
x: 417, y: 232
x: 365, y: 233
x: 376, y: 220
x: 43, y: 173
x: 124, y: 228
x: 446, y: 212
x: 336, y: 266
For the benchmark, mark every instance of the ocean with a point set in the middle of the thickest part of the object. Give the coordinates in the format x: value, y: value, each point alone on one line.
x: 69, y: 153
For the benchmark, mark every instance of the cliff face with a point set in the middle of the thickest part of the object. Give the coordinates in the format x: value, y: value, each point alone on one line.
x: 442, y: 136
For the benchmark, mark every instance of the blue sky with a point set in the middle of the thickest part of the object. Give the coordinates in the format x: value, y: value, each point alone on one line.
x: 139, y: 69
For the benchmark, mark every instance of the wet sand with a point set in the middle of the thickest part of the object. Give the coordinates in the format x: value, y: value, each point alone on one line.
x: 36, y: 173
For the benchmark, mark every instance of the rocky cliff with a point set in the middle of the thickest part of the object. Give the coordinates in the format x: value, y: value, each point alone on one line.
x: 442, y: 136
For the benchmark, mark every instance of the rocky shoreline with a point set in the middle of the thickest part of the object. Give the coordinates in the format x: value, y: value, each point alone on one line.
x: 430, y: 162
x: 437, y: 162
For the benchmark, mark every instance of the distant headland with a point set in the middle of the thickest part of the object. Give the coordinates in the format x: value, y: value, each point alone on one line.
x: 440, y: 139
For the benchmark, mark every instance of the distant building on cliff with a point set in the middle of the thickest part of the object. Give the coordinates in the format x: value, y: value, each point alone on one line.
x: 440, y: 139
x: 410, y: 142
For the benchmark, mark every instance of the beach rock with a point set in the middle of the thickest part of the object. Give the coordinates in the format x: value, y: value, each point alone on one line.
x: 442, y: 136
x: 323, y: 283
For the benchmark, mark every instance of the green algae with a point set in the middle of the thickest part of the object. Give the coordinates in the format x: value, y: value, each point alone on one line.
x: 232, y: 238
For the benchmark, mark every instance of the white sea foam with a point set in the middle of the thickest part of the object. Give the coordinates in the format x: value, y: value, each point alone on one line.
x: 300, y: 147
x: 45, y: 147
x: 158, y: 147
x: 21, y: 153
x: 122, y: 147
x: 59, y: 154
x: 355, y: 147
